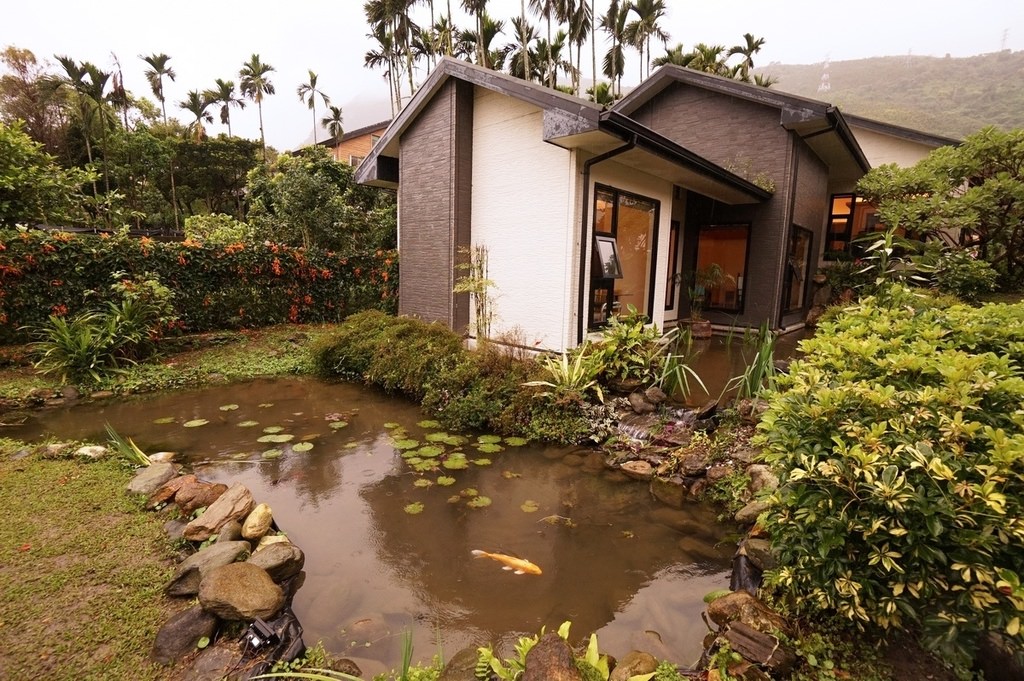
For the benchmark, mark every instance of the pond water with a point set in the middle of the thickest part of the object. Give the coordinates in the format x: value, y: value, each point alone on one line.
x: 614, y: 561
x: 721, y: 358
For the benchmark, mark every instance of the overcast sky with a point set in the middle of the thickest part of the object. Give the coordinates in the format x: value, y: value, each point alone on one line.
x: 211, y: 39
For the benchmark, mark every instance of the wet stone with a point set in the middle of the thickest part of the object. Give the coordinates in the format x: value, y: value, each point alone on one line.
x: 635, y: 662
x: 551, y: 660
x: 167, y: 491
x: 638, y: 470
x: 198, y: 494
x: 281, y: 560
x: 257, y: 523
x: 190, y: 573
x: 759, y: 551
x: 761, y: 478
x: 150, y: 478
x: 180, y: 634
x: 240, y: 591
x: 748, y: 514
x: 462, y: 667
x: 233, y: 504
x: 229, y: 531
x: 743, y: 607
x: 671, y: 491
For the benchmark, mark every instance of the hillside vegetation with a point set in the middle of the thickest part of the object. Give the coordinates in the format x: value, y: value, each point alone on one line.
x: 943, y: 95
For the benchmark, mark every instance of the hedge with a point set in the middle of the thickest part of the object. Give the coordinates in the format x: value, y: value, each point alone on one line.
x: 215, y: 286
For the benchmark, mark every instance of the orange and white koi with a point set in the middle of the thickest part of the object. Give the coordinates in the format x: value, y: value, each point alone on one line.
x: 519, y: 566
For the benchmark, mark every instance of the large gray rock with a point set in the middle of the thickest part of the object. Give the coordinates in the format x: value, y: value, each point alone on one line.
x: 151, y: 478
x: 551, y: 660
x: 740, y: 606
x: 462, y: 667
x: 281, y: 560
x: 759, y: 551
x: 671, y: 491
x: 235, y: 503
x: 240, y: 591
x: 191, y: 571
x: 761, y: 478
x: 748, y: 514
x: 230, y: 531
x: 634, y: 663
x: 179, y: 635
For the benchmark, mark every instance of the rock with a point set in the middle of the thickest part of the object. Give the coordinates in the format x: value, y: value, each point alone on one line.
x: 151, y: 478
x: 698, y: 488
x: 761, y: 478
x: 706, y: 412
x: 92, y: 452
x: 996, y: 658
x: 638, y: 470
x: 198, y: 495
x: 280, y: 560
x: 163, y: 457
x: 745, y: 575
x: 635, y: 662
x: 740, y: 606
x: 739, y: 671
x: 814, y: 315
x: 671, y: 491
x: 212, y: 663
x: 694, y: 464
x: 573, y: 460
x: 257, y: 523
x: 180, y: 634
x: 763, y: 649
x: 594, y: 463
x: 462, y: 667
x: 233, y: 504
x: 271, y: 539
x: 759, y: 551
x: 230, y: 531
x: 639, y: 403
x: 750, y: 410
x: 191, y: 571
x: 346, y: 666
x: 678, y: 520
x: 240, y: 591
x: 167, y: 491
x: 174, y: 529
x: 748, y: 514
x: 551, y: 660
x: 655, y: 395
x: 746, y: 455
x: 101, y: 394
x: 70, y: 393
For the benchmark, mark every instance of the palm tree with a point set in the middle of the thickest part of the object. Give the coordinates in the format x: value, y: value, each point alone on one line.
x: 479, y: 43
x: 674, y: 56
x: 750, y: 47
x: 75, y: 79
x: 709, y: 59
x: 580, y: 18
x: 392, y: 17
x: 255, y: 83
x: 477, y: 9
x: 517, y: 54
x: 158, y: 68
x: 614, y: 24
x: 547, y: 9
x: 97, y: 100
x: 197, y: 103
x: 333, y: 122
x: 602, y: 93
x: 764, y: 81
x: 640, y: 31
x: 224, y: 94
x: 551, y: 53
x: 385, y: 56
x: 307, y: 93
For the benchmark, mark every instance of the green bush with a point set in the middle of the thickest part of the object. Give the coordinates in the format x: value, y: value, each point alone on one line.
x: 216, y: 228
x: 961, y: 273
x: 899, y: 443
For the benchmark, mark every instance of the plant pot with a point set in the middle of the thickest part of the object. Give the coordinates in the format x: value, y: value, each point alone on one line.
x: 699, y: 328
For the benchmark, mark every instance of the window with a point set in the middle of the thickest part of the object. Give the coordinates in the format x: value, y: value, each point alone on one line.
x: 798, y: 264
x: 673, y: 264
x: 374, y: 139
x: 724, y: 247
x: 850, y: 217
x: 355, y: 160
x: 625, y: 252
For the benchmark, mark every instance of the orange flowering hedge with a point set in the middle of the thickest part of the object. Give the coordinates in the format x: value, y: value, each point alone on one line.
x: 215, y: 287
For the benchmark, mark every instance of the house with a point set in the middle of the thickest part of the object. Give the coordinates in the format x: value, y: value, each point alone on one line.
x: 352, y: 147
x: 585, y: 212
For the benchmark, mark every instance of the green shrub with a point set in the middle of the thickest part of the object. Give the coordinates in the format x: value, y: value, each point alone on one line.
x: 899, y: 441
x: 631, y: 350
x: 216, y: 228
x: 962, y: 274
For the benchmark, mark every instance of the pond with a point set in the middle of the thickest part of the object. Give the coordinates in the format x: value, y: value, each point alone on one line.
x: 614, y: 561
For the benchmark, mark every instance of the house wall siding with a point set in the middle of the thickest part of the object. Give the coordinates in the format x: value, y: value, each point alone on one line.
x: 357, y: 146
x: 434, y: 206
x: 525, y: 211
x: 810, y: 211
x: 881, y: 149
x: 748, y: 139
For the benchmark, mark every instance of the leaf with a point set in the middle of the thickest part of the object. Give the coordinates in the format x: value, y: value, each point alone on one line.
x: 516, y: 441
x: 272, y: 454
x: 437, y: 437
x: 479, y: 502
x: 430, y: 451
x: 428, y: 424
x: 276, y: 438
x: 391, y: 425
x: 454, y: 499
x: 228, y: 407
x: 351, y: 445
x: 482, y: 462
x: 529, y: 506
x: 454, y: 440
x: 203, y: 642
x: 302, y: 447
x: 337, y: 425
x: 715, y: 595
x: 455, y: 463
x: 195, y: 423
x: 446, y: 481
x: 489, y: 447
x: 489, y: 439
x: 165, y: 419
x: 414, y: 508
x: 509, y: 475
x: 273, y: 429
x: 406, y: 444
x: 264, y: 405
x: 247, y: 424
x: 469, y: 492
x: 422, y: 482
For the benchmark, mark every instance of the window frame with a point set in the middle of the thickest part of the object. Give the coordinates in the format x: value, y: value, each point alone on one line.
x: 741, y: 297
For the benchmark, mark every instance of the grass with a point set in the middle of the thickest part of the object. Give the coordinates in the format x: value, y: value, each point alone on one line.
x: 82, y: 570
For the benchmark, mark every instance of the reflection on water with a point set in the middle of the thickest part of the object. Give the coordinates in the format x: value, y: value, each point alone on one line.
x: 721, y: 358
x: 631, y: 570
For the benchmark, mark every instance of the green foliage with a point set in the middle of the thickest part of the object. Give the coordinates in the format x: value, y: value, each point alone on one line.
x: 631, y: 349
x: 80, y: 351
x: 573, y: 377
x: 676, y: 371
x: 214, y: 286
x: 898, y: 441
x: 959, y: 272
x: 33, y: 188
x: 474, y: 281
x: 760, y: 373
x: 973, y: 192
x: 215, y: 228
x: 126, y: 447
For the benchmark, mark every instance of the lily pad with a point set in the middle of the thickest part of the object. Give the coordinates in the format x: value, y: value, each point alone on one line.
x: 529, y: 506
x: 414, y: 508
x: 715, y: 595
x: 247, y: 424
x: 302, y: 447
x: 422, y: 482
x: 228, y: 407
x: 516, y: 441
x: 425, y: 466
x: 469, y: 492
x: 276, y: 438
x: 165, y: 419
x: 195, y: 423
x: 391, y: 425
x: 411, y: 458
x: 482, y: 462
x: 406, y: 444
x: 479, y: 502
x: 430, y: 451
x: 272, y: 454
x: 446, y: 481
x: 336, y: 425
x: 509, y: 475
x: 489, y: 448
x: 428, y: 424
x: 437, y: 437
x: 454, y: 499
x: 273, y: 429
x: 264, y: 405
x: 489, y: 439
x: 454, y: 440
x: 455, y: 463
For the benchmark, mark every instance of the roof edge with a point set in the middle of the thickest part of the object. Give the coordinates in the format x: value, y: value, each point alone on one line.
x: 903, y: 132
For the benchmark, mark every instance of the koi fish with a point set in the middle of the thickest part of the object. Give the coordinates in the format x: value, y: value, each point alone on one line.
x: 519, y: 566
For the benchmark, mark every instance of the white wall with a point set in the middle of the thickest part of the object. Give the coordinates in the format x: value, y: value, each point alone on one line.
x: 524, y: 209
x: 881, y: 149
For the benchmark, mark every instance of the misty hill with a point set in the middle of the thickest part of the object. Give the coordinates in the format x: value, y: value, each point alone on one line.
x: 942, y: 95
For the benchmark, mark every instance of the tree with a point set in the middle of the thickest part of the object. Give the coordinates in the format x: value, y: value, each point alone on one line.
x: 747, y: 50
x: 307, y: 93
x: 158, y: 68
x: 197, y: 103
x: 518, y: 56
x: 214, y: 172
x: 476, y: 9
x: 479, y: 42
x: 26, y: 95
x: 385, y: 56
x: 646, y: 26
x: 580, y: 18
x: 224, y: 94
x: 614, y: 24
x: 255, y: 83
x: 333, y: 122
x: 33, y: 187
x: 972, y: 193
x: 548, y: 10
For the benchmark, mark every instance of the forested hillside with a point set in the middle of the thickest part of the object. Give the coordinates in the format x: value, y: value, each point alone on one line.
x: 943, y: 95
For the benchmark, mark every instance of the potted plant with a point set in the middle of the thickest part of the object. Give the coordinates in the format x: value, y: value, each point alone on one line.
x: 704, y: 279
